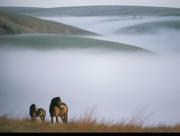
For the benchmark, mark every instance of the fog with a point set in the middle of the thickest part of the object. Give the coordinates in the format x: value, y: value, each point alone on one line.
x: 107, y: 25
x: 114, y: 86
x: 164, y: 42
x: 163, y: 39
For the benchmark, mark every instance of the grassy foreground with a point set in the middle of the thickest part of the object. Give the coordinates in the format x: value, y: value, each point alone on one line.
x: 83, y: 125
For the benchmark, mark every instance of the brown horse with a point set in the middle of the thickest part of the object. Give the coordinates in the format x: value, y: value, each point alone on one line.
x: 37, y: 112
x: 58, y: 109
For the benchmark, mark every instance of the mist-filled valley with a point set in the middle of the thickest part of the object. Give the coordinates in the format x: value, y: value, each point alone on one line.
x: 129, y: 70
x: 157, y: 33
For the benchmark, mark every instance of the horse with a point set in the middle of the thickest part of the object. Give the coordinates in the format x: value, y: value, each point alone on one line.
x: 35, y: 112
x: 58, y: 109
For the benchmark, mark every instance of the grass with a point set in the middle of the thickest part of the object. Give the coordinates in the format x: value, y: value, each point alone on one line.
x: 86, y: 124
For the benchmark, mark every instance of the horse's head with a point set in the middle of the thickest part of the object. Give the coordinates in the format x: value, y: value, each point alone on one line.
x: 56, y: 101
x: 33, y: 107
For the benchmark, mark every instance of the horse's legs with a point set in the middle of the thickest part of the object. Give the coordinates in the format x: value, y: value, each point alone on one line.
x: 57, y: 119
x: 62, y: 117
x: 42, y: 118
x: 66, y: 118
x: 52, y: 119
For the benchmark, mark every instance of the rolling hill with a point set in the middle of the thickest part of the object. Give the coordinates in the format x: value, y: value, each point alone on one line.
x: 151, y: 27
x: 113, y: 10
x: 15, y: 24
x: 19, y: 10
x: 52, y: 41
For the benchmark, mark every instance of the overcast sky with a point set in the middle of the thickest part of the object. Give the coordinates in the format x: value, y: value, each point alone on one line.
x: 62, y: 3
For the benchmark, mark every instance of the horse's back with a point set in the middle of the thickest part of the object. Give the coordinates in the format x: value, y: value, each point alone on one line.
x: 41, y: 111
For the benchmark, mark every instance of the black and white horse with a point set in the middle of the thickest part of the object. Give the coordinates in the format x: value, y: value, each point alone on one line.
x: 35, y: 112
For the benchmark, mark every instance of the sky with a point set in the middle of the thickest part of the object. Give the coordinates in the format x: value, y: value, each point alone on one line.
x: 64, y: 3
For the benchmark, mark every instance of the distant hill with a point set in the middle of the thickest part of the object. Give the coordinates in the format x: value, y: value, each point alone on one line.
x: 14, y: 24
x: 115, y: 10
x: 151, y: 27
x: 19, y: 10
x: 50, y: 41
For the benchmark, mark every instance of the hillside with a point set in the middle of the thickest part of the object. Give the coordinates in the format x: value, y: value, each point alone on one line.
x: 106, y: 11
x: 113, y: 10
x: 48, y: 41
x: 151, y: 27
x: 15, y: 24
x: 19, y: 10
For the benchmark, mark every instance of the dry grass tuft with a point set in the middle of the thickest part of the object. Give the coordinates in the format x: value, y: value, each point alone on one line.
x: 85, y: 124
